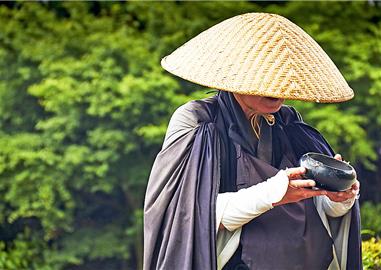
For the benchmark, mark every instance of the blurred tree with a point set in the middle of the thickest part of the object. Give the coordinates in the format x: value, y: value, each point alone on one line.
x: 84, y: 106
x: 83, y: 102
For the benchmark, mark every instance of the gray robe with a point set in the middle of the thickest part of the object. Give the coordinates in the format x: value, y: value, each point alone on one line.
x: 195, y: 164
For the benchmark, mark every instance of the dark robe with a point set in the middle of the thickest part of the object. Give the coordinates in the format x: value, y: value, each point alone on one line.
x: 199, y: 159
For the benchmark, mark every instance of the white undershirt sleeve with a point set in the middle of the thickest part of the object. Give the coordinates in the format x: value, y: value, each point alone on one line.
x: 234, y: 209
x: 336, y: 209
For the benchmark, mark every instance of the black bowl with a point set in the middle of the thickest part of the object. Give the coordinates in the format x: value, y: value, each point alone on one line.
x: 328, y: 173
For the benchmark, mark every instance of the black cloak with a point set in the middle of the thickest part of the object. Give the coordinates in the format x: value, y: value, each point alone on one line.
x: 197, y: 161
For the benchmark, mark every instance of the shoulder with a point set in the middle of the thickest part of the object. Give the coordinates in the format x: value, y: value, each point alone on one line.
x: 194, y: 112
x: 289, y: 114
x: 190, y: 115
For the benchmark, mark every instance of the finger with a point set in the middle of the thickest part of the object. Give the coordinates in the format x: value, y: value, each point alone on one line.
x: 350, y: 193
x: 302, y: 183
x: 340, y: 196
x: 355, y: 189
x: 338, y: 157
x: 356, y: 185
x: 339, y: 199
x: 313, y: 193
x: 295, y: 173
x: 347, y: 191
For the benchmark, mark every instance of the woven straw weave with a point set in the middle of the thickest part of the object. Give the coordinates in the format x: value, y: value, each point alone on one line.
x: 260, y: 54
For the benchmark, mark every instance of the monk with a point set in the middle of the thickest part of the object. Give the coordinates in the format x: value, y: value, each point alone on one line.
x: 226, y: 190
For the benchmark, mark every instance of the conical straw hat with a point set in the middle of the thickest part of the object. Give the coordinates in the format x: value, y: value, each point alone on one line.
x: 260, y: 54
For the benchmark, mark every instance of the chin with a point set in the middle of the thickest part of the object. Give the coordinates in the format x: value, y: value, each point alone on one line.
x: 272, y: 110
x: 272, y: 105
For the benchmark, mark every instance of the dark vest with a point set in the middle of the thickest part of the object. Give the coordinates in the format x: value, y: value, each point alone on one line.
x: 287, y: 237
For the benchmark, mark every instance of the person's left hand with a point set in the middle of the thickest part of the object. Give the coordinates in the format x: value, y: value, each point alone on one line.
x: 341, y: 196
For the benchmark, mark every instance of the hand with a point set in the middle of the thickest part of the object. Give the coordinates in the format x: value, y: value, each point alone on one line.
x: 297, y: 187
x: 341, y: 196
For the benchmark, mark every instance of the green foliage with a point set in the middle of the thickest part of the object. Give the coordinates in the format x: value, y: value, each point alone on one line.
x: 24, y: 252
x: 345, y: 130
x: 371, y: 254
x: 94, y: 244
x: 371, y: 217
x: 84, y: 107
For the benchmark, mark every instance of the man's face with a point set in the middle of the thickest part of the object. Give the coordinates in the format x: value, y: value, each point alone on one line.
x: 260, y: 104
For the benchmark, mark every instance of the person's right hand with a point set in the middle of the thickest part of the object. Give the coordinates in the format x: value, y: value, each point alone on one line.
x: 297, y: 189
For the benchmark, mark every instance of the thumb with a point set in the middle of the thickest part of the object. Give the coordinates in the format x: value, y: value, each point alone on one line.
x: 302, y: 183
x: 295, y: 173
x: 338, y: 157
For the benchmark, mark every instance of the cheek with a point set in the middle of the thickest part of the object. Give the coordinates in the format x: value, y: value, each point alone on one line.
x: 263, y: 104
x: 255, y: 102
x: 270, y: 105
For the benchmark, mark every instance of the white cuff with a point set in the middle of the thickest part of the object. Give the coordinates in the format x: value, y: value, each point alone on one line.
x: 234, y: 209
x: 337, y: 209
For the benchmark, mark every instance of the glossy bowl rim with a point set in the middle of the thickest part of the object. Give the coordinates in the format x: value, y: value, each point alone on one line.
x: 309, y: 155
